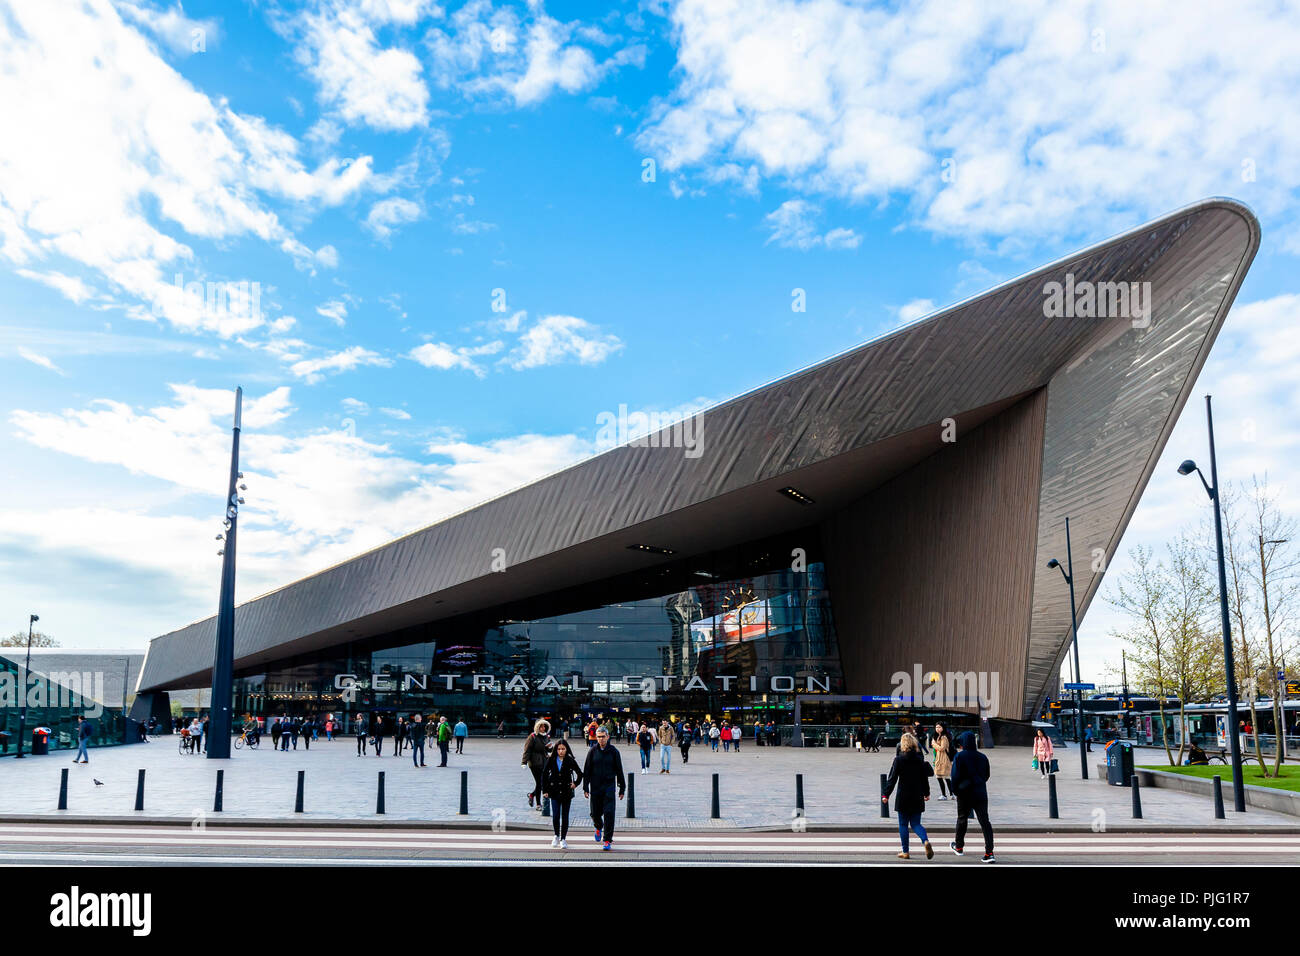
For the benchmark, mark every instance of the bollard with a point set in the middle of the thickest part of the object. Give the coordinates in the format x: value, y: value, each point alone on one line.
x: 63, y: 789
x: 1218, y: 798
x: 1137, y: 800
x: 139, y: 791
x: 884, y: 804
x: 216, y: 801
x: 798, y: 793
x: 631, y: 796
x: 464, y: 793
x: 1052, y: 810
x: 716, y: 812
x: 297, y: 803
x: 379, y: 798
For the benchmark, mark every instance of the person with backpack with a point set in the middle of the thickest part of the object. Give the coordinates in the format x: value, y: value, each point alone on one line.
x: 536, y: 750
x: 604, y: 769
x: 970, y: 774
x: 715, y: 735
x: 909, y: 774
x: 415, y: 733
x: 444, y: 739
x: 359, y: 730
x: 737, y: 734
x: 560, y: 778
x: 1043, y: 754
x: 645, y: 741
x: 687, y: 736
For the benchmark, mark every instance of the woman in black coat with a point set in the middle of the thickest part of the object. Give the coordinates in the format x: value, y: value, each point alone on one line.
x: 560, y: 778
x: 910, y: 774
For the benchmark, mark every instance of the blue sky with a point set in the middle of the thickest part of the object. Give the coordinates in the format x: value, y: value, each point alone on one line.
x: 386, y: 171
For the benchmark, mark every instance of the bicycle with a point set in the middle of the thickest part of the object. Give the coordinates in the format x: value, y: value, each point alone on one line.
x: 252, y: 741
x: 185, y: 744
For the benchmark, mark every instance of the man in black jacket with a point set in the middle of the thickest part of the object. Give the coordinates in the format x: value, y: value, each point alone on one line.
x: 415, y: 733
x: 604, y: 768
x: 970, y: 772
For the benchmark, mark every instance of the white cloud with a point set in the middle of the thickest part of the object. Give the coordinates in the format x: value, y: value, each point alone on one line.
x: 37, y: 359
x: 400, y: 414
x: 315, y: 498
x: 336, y: 310
x: 71, y: 287
x: 180, y: 33
x: 315, y: 369
x: 560, y: 338
x: 442, y: 356
x: 355, y: 405
x: 494, y: 53
x: 363, y: 82
x: 386, y: 214
x: 118, y: 147
x: 794, y: 225
x: 916, y: 309
x: 1027, y: 119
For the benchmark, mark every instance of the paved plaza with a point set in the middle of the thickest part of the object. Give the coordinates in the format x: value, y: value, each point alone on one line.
x: 757, y: 789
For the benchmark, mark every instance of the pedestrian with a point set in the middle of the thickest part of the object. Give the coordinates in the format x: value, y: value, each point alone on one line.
x: 1042, y: 754
x: 295, y: 731
x: 737, y: 734
x: 591, y: 733
x: 460, y: 732
x: 329, y: 728
x: 604, y: 769
x: 726, y: 737
x: 560, y: 778
x: 1087, y: 739
x: 536, y: 750
x: 444, y: 739
x: 687, y: 736
x: 379, y: 733
x: 714, y: 736
x: 909, y: 774
x: 361, y: 731
x: 276, y: 731
x: 196, y: 735
x: 399, y: 736
x: 758, y: 733
x: 645, y: 741
x: 84, y: 730
x: 667, y: 737
x: 941, y: 747
x: 308, y: 733
x: 970, y: 774
x: 415, y: 732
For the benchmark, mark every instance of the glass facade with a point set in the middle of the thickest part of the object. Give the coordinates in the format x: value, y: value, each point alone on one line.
x: 732, y: 635
x: 55, y: 706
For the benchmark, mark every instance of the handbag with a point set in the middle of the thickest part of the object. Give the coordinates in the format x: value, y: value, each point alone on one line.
x: 1053, y: 766
x: 1034, y: 763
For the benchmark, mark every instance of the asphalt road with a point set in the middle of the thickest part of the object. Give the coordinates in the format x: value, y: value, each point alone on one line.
x: 166, y: 844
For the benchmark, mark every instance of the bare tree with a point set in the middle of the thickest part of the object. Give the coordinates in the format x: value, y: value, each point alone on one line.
x: 1242, y: 608
x: 1142, y: 593
x: 19, y: 639
x: 1279, y: 589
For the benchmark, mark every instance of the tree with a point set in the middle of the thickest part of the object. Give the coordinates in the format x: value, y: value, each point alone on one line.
x: 19, y: 639
x: 1242, y: 607
x: 1279, y: 589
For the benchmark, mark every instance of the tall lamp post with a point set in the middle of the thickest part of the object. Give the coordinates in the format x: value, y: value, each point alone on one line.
x: 27, y: 670
x: 1212, y: 489
x: 1074, y: 625
x: 223, y: 664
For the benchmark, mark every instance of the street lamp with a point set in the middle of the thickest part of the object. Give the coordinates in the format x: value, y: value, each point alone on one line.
x: 1074, y: 624
x: 1212, y: 489
x: 27, y: 669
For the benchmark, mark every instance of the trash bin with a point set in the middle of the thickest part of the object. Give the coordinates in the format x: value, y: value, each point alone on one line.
x: 1119, y: 763
x: 40, y: 741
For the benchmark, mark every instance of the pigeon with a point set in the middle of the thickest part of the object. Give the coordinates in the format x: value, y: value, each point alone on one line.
x: 98, y: 783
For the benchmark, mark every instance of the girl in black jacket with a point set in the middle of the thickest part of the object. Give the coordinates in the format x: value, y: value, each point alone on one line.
x: 560, y: 778
x: 910, y: 774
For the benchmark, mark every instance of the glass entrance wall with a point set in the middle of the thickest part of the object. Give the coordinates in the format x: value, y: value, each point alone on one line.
x: 732, y: 636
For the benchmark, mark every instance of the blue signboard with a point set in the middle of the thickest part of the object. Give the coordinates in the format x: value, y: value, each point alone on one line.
x: 1080, y: 686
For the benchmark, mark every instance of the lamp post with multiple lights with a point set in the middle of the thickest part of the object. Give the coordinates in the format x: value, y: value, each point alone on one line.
x: 223, y: 664
x: 1230, y: 670
x: 1074, y: 624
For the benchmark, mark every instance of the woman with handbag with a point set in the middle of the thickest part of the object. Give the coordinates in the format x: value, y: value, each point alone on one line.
x: 1043, y: 753
x: 560, y: 778
x: 941, y: 745
x: 909, y: 774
